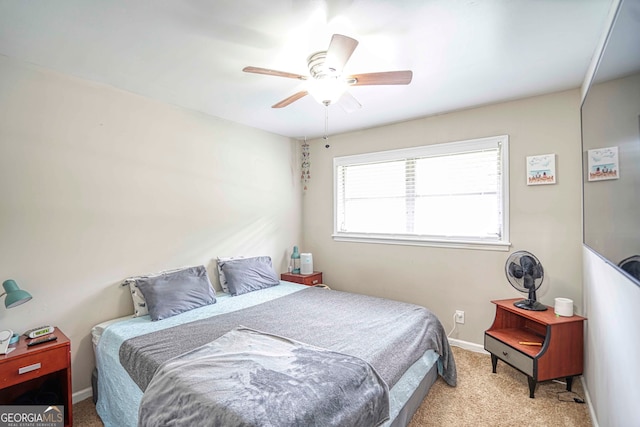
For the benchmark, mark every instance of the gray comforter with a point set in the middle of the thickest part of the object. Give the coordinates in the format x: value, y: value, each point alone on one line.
x: 389, y: 335
x: 248, y: 378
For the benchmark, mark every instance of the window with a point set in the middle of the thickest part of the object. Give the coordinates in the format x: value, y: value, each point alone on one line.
x: 453, y: 194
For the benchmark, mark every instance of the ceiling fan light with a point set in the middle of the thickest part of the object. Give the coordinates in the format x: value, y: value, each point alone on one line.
x: 327, y: 91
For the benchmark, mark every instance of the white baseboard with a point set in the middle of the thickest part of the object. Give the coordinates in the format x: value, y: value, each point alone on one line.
x: 587, y: 400
x: 478, y: 348
x: 81, y: 395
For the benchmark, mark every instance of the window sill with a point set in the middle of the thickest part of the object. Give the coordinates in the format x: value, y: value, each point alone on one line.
x: 415, y: 241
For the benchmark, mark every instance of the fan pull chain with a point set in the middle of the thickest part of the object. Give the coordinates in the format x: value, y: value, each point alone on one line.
x: 326, y: 120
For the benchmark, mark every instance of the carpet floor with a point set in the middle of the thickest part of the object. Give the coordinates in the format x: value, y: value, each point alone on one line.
x: 481, y: 398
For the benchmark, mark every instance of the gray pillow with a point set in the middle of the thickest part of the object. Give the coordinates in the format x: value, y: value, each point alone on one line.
x: 249, y: 274
x: 176, y: 292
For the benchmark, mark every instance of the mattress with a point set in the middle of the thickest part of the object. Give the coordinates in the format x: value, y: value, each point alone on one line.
x: 119, y: 396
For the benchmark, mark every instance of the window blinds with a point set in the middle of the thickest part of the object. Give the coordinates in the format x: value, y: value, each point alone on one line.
x: 444, y: 191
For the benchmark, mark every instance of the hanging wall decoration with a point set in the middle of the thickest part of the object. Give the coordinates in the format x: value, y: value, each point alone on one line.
x: 541, y: 169
x: 306, y: 165
x: 603, y: 164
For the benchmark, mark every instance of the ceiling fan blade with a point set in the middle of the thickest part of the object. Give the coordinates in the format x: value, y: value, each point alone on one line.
x: 340, y: 50
x: 268, y: 72
x: 383, y: 78
x: 349, y: 103
x: 290, y: 99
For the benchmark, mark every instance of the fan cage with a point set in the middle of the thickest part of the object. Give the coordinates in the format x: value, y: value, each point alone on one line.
x: 531, y: 302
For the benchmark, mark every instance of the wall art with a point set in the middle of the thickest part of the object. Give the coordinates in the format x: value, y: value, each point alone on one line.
x: 541, y: 169
x: 603, y: 164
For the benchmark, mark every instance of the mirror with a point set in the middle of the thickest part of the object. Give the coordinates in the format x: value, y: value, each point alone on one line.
x: 611, y: 147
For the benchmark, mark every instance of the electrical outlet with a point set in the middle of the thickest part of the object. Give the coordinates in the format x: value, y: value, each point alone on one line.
x: 459, y: 316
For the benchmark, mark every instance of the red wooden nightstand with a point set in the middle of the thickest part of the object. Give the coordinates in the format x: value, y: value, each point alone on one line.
x: 312, y: 279
x: 27, y: 369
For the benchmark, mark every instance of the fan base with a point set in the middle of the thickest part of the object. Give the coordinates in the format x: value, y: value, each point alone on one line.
x: 528, y: 304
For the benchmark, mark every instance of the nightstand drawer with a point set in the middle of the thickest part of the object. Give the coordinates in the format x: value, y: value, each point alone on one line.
x: 513, y: 357
x: 315, y: 279
x: 33, y: 366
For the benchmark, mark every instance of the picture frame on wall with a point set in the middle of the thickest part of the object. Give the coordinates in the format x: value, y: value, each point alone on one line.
x: 603, y: 164
x: 541, y: 169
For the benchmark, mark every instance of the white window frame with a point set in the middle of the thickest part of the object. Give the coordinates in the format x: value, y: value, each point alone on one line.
x: 498, y: 244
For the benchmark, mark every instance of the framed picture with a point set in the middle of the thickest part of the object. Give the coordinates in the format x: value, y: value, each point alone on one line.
x: 603, y: 164
x: 541, y: 169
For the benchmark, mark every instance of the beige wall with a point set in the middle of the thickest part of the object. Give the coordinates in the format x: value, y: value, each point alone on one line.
x: 97, y: 184
x: 544, y: 219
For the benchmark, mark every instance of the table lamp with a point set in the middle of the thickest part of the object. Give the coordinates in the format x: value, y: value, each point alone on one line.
x: 15, y: 295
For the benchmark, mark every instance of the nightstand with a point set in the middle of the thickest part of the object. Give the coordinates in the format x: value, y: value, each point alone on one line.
x: 38, y: 375
x: 539, y: 344
x: 312, y: 279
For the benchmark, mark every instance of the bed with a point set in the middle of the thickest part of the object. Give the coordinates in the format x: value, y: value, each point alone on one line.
x: 398, y: 348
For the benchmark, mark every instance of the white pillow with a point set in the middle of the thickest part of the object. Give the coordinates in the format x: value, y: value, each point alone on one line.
x: 221, y: 276
x: 139, y: 303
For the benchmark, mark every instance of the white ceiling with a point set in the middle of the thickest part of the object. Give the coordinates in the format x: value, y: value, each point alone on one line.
x: 190, y: 53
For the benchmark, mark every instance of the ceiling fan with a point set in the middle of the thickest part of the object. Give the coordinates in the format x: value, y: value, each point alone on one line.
x: 326, y: 82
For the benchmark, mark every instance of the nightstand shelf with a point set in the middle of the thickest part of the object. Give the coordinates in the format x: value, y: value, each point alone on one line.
x: 559, y: 349
x: 26, y: 370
